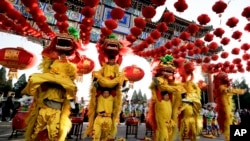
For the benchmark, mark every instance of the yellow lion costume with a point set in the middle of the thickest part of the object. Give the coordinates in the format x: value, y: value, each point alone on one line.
x: 162, y: 115
x: 223, y: 98
x: 53, y: 89
x: 104, y: 112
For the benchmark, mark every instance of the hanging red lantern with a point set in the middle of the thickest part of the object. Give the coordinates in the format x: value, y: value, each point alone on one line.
x: 246, y: 13
x: 247, y: 27
x: 203, y: 19
x: 184, y: 35
x: 133, y: 73
x: 214, y: 57
x: 140, y: 22
x: 162, y: 27
x: 123, y: 3
x: 219, y: 7
x: 225, y: 41
x: 158, y: 2
x: 198, y: 43
x: 85, y: 66
x: 235, y: 51
x: 176, y: 41
x: 148, y: 12
x: 193, y: 29
x: 16, y: 59
x: 232, y: 22
x: 245, y: 47
x: 91, y: 3
x: 117, y: 13
x: 208, y: 37
x: 213, y: 46
x: 224, y: 54
x: 219, y: 32
x: 135, y: 31
x: 168, y: 17
x: 207, y: 59
x: 236, y: 35
x: 180, y: 5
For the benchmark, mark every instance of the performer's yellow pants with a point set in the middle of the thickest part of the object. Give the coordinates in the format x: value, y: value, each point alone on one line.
x: 102, y: 128
x: 188, y: 128
x: 163, y: 131
x: 49, y: 118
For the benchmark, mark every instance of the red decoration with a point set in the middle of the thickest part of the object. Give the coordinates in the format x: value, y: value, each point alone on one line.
x: 88, y: 12
x: 158, y: 2
x: 213, y: 46
x: 224, y: 55
x: 214, y: 57
x: 235, y: 51
x: 246, y: 13
x: 193, y: 28
x: 132, y: 120
x: 206, y: 59
x: 247, y: 27
x: 133, y: 73
x: 148, y: 12
x: 236, y: 35
x: 111, y: 24
x: 232, y: 22
x: 140, y: 22
x: 168, y: 17
x: 245, y: 46
x: 123, y: 3
x: 203, y: 19
x: 225, y: 41
x: 208, y: 37
x: 219, y: 32
x: 85, y: 66
x: 135, y: 31
x: 219, y: 7
x: 180, y: 5
x: 176, y: 41
x: 198, y: 43
x: 184, y: 35
x: 91, y: 3
x: 117, y: 13
x: 155, y: 34
x: 162, y: 27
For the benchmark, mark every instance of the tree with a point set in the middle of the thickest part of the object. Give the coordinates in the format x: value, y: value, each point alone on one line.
x: 145, y: 99
x: 19, y: 85
x: 139, y: 95
x: 5, y: 85
x: 244, y: 99
x: 134, y: 97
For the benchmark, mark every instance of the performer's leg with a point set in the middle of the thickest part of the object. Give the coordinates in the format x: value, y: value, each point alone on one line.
x: 97, y: 128
x: 106, y: 128
x: 53, y: 124
x: 40, y: 123
x: 193, y: 129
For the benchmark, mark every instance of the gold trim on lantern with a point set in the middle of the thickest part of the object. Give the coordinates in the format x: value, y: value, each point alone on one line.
x: 11, y: 54
x: 12, y: 73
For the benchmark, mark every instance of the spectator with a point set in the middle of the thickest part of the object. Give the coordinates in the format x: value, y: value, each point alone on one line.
x: 245, y: 116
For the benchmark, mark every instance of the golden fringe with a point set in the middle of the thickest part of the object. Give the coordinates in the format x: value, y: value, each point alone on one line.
x: 116, y: 111
x: 91, y: 112
x: 31, y: 121
x: 44, y: 66
x: 65, y: 122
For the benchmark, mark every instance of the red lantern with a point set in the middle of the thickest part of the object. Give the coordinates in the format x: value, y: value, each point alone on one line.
x: 219, y: 7
x: 168, y: 17
x: 246, y: 13
x: 180, y: 5
x: 85, y: 66
x: 219, y: 32
x: 16, y: 59
x: 203, y: 19
x: 133, y: 73
x: 232, y: 22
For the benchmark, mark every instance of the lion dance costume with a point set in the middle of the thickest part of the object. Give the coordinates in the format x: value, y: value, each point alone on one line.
x: 161, y: 112
x: 53, y: 89
x: 104, y: 112
x: 190, y: 121
x: 223, y: 99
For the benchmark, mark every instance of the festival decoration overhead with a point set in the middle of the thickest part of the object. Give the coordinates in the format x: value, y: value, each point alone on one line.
x: 16, y: 59
x: 192, y: 41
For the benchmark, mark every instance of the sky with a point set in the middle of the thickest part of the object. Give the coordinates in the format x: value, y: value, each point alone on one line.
x: 195, y: 8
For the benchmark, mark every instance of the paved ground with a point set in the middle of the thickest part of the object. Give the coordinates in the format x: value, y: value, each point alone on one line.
x: 6, y: 128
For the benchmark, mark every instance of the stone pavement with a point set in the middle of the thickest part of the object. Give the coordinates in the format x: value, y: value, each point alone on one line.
x: 6, y: 129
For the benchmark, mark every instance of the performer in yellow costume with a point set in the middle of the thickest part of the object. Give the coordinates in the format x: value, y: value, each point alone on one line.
x: 108, y: 77
x: 191, y: 123
x: 223, y: 97
x: 160, y: 115
x: 52, y: 90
